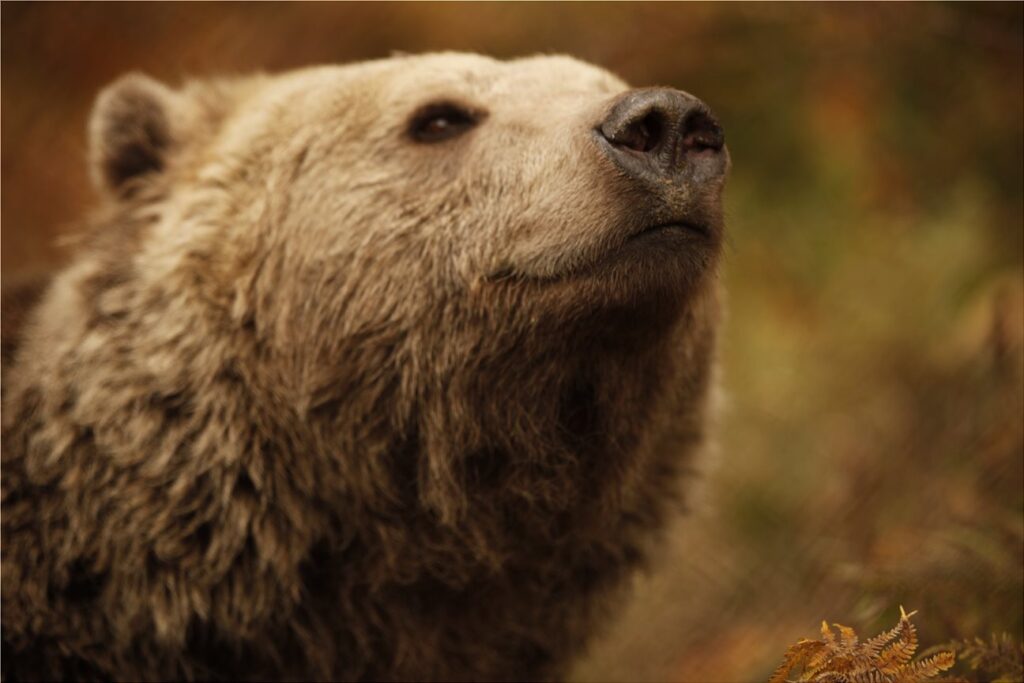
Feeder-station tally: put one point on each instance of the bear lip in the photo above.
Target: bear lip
(684, 226)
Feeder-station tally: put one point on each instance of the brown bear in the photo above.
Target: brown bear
(385, 371)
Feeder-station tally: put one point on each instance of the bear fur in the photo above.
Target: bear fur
(316, 401)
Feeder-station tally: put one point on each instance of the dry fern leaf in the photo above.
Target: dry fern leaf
(1000, 660)
(798, 655)
(842, 658)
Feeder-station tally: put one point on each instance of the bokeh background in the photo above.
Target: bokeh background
(872, 438)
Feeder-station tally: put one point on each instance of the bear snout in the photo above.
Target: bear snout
(660, 136)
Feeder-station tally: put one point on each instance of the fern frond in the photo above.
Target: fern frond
(876, 644)
(899, 653)
(826, 633)
(819, 661)
(840, 657)
(999, 659)
(797, 655)
(847, 637)
(927, 668)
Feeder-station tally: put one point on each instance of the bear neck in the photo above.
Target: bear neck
(548, 435)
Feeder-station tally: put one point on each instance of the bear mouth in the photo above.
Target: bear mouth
(660, 239)
(679, 228)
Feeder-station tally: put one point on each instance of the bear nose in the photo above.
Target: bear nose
(660, 134)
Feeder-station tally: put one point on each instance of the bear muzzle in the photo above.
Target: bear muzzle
(669, 150)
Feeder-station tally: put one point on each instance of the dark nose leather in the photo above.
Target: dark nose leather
(664, 135)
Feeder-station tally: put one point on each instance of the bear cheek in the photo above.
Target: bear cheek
(570, 227)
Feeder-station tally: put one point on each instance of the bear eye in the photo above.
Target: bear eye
(441, 121)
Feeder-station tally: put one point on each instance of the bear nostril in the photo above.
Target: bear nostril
(662, 134)
(642, 135)
(702, 132)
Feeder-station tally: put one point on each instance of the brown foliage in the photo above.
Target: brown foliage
(843, 658)
(999, 659)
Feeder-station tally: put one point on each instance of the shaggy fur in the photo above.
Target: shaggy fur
(316, 401)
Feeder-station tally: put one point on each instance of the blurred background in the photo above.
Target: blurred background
(872, 438)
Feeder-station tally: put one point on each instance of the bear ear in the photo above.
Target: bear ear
(130, 131)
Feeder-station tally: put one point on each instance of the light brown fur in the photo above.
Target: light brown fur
(314, 402)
